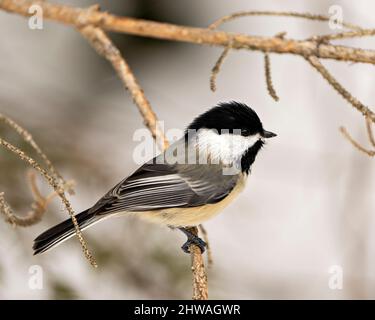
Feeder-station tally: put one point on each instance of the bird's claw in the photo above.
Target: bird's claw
(194, 240)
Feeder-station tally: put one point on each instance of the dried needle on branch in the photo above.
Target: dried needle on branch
(267, 72)
(357, 145)
(314, 61)
(57, 188)
(370, 133)
(302, 15)
(38, 207)
(216, 69)
(203, 230)
(28, 138)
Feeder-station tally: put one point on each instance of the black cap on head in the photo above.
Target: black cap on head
(229, 116)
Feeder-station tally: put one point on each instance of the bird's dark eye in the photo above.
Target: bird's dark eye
(245, 132)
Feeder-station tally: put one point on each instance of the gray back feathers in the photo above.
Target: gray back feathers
(156, 186)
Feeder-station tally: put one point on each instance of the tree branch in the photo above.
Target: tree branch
(200, 289)
(80, 17)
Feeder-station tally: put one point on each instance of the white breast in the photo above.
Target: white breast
(226, 148)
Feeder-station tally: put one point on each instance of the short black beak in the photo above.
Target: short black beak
(268, 134)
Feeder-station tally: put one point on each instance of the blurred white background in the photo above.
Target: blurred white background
(309, 204)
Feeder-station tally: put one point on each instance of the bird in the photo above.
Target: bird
(190, 182)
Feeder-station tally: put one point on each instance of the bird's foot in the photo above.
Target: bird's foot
(192, 239)
(197, 241)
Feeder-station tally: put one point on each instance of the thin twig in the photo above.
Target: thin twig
(314, 61)
(306, 15)
(216, 69)
(370, 133)
(28, 138)
(344, 35)
(104, 47)
(267, 66)
(358, 146)
(37, 195)
(38, 207)
(210, 260)
(6, 210)
(370, 136)
(267, 71)
(57, 188)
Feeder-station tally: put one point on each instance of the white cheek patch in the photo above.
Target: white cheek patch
(226, 148)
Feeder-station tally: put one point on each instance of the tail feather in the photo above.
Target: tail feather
(62, 232)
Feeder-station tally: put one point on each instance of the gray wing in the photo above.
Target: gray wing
(160, 186)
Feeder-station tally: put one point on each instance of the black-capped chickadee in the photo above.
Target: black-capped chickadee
(190, 182)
